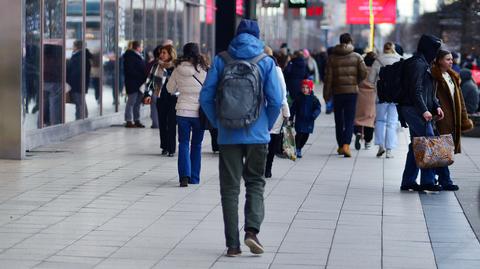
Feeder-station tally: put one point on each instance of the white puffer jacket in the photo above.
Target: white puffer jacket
(188, 88)
(381, 61)
(285, 112)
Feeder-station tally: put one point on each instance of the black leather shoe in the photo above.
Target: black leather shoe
(357, 141)
(268, 174)
(138, 124)
(234, 252)
(413, 187)
(184, 181)
(164, 152)
(451, 187)
(431, 188)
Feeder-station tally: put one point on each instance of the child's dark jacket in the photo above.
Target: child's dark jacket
(305, 109)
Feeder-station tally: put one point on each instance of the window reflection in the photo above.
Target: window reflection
(93, 53)
(125, 23)
(109, 95)
(52, 62)
(31, 64)
(76, 77)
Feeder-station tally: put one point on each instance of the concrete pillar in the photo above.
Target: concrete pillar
(11, 133)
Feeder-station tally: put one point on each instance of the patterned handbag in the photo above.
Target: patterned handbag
(288, 143)
(433, 151)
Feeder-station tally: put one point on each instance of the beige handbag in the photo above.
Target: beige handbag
(433, 151)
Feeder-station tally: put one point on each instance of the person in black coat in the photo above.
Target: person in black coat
(470, 91)
(74, 78)
(305, 109)
(135, 75)
(294, 73)
(417, 105)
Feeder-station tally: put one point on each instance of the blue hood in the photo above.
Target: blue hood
(245, 46)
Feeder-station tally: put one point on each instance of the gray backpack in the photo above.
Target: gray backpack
(239, 92)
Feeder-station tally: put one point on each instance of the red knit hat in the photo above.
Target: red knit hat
(308, 83)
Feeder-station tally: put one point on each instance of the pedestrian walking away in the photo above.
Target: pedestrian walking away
(242, 135)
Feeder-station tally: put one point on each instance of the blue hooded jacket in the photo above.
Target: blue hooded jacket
(244, 46)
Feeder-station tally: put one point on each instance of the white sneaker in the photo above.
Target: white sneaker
(368, 145)
(389, 154)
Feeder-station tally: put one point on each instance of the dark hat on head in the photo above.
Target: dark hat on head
(249, 27)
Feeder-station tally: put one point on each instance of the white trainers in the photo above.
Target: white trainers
(389, 154)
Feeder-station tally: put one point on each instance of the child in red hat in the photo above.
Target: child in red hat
(304, 110)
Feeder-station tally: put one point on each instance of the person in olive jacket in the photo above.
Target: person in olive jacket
(345, 70)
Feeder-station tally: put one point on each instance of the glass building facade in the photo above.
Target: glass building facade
(72, 52)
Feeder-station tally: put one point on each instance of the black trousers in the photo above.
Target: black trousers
(273, 148)
(301, 139)
(214, 135)
(366, 131)
(167, 121)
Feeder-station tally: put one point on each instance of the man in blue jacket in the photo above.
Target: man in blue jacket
(243, 151)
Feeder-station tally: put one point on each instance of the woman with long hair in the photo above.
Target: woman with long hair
(187, 81)
(456, 119)
(166, 102)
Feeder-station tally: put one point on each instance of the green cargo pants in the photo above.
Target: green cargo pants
(237, 161)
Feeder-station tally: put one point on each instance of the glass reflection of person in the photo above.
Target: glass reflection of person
(74, 77)
(52, 84)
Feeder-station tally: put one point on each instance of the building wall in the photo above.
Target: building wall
(103, 28)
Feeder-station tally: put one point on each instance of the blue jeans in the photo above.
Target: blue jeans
(132, 109)
(386, 123)
(417, 127)
(189, 156)
(345, 105)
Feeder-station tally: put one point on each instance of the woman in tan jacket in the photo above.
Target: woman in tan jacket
(451, 100)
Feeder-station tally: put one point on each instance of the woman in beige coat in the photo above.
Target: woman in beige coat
(365, 109)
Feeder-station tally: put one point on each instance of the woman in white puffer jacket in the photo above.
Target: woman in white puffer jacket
(386, 120)
(186, 81)
(275, 137)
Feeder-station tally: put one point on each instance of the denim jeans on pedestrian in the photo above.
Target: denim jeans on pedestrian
(52, 103)
(79, 102)
(189, 151)
(247, 160)
(386, 123)
(444, 178)
(132, 109)
(417, 127)
(345, 105)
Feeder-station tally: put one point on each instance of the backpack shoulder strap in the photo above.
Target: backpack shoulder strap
(258, 58)
(226, 57)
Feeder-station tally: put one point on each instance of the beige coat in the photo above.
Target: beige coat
(365, 109)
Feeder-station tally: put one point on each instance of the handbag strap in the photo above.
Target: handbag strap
(197, 80)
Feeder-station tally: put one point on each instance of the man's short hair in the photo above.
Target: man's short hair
(346, 38)
(136, 44)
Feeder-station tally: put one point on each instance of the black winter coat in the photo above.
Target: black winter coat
(469, 91)
(294, 73)
(134, 71)
(74, 71)
(418, 85)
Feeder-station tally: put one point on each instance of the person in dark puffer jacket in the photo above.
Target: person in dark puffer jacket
(305, 109)
(470, 91)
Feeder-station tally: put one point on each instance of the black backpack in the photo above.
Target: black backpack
(239, 92)
(389, 85)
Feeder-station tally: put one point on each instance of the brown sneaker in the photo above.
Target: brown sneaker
(129, 124)
(340, 151)
(346, 151)
(234, 252)
(252, 242)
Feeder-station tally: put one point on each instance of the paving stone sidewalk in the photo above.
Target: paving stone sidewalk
(108, 199)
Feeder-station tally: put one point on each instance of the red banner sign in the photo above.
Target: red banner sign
(358, 11)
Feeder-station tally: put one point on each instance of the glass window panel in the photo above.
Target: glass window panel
(180, 7)
(31, 64)
(109, 94)
(171, 34)
(150, 40)
(93, 57)
(161, 20)
(125, 23)
(138, 22)
(76, 76)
